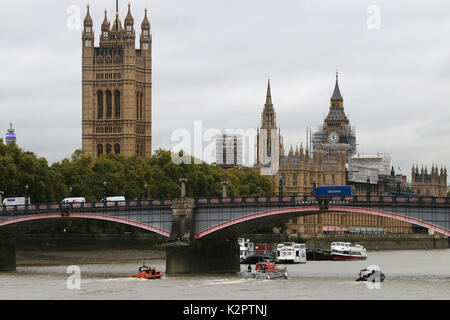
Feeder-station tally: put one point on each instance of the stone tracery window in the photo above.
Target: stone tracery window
(100, 104)
(108, 104)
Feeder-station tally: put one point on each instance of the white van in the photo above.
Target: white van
(114, 199)
(14, 201)
(74, 200)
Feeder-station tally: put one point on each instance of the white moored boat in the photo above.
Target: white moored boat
(246, 248)
(345, 251)
(290, 252)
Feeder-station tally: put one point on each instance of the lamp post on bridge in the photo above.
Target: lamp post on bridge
(183, 187)
(145, 191)
(224, 189)
(368, 186)
(70, 192)
(26, 195)
(280, 187)
(104, 191)
(1, 197)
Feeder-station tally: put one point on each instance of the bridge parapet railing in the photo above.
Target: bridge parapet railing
(83, 206)
(311, 200)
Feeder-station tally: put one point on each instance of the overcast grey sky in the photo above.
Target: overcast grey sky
(211, 60)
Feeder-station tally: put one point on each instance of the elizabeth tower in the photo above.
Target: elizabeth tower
(117, 88)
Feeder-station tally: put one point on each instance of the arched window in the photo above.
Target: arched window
(117, 148)
(108, 148)
(137, 105)
(99, 150)
(141, 109)
(100, 104)
(117, 104)
(294, 180)
(108, 104)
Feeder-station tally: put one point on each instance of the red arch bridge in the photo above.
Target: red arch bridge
(202, 225)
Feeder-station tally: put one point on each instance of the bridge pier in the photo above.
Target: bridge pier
(203, 256)
(185, 255)
(7, 253)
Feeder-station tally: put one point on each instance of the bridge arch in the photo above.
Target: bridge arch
(95, 216)
(236, 226)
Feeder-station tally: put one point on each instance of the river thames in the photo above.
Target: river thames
(410, 274)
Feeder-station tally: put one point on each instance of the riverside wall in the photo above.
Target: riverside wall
(151, 241)
(370, 241)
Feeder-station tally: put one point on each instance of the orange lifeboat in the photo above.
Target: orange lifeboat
(147, 273)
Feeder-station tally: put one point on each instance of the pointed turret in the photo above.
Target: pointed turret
(105, 27)
(291, 152)
(129, 20)
(145, 23)
(268, 115)
(88, 20)
(268, 95)
(337, 93)
(302, 155)
(88, 36)
(145, 35)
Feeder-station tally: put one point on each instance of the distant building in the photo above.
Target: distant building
(229, 150)
(335, 135)
(430, 184)
(299, 171)
(10, 137)
(117, 87)
(372, 174)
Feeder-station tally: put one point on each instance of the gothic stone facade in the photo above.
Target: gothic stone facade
(434, 183)
(117, 88)
(299, 171)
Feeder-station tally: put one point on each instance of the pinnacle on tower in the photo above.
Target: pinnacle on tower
(129, 20)
(145, 23)
(105, 24)
(269, 95)
(337, 93)
(88, 20)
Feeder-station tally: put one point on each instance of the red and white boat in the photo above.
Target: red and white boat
(345, 251)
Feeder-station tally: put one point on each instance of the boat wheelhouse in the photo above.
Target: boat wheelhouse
(246, 248)
(290, 252)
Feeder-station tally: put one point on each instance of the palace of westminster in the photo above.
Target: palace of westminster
(117, 118)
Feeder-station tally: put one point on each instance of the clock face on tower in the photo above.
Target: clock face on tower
(333, 137)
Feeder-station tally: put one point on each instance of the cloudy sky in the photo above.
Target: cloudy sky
(212, 58)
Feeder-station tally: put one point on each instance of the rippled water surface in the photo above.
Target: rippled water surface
(412, 274)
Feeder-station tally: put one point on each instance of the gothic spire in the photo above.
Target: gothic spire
(269, 94)
(129, 21)
(105, 24)
(145, 23)
(337, 93)
(88, 20)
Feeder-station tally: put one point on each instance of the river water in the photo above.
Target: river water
(410, 274)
